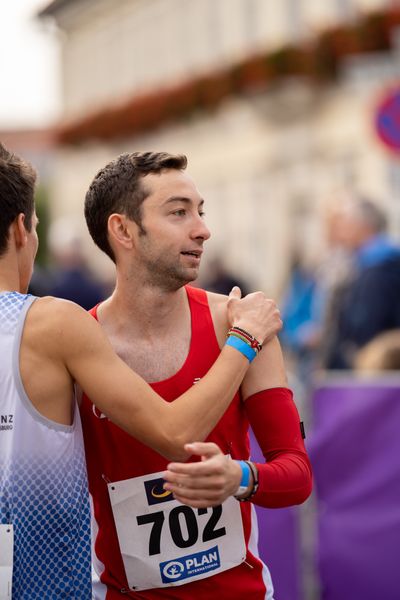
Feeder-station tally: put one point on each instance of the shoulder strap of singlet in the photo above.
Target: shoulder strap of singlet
(199, 310)
(202, 323)
(93, 311)
(13, 308)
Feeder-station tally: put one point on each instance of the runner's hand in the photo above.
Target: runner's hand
(205, 483)
(255, 313)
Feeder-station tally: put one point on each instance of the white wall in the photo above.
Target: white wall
(112, 50)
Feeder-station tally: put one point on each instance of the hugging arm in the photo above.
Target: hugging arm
(285, 478)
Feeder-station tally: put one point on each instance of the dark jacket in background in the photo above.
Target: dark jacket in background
(367, 306)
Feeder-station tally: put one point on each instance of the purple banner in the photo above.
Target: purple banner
(355, 452)
(279, 543)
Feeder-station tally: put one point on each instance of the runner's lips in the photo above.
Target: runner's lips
(194, 253)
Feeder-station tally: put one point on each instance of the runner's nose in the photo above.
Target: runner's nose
(200, 230)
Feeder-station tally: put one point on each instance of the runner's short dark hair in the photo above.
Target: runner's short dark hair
(17, 189)
(117, 188)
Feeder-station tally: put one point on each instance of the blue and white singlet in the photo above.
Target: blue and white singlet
(43, 484)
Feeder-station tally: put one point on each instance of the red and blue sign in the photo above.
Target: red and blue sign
(387, 120)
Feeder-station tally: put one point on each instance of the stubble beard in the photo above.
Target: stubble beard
(163, 274)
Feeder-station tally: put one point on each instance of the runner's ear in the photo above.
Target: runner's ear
(119, 231)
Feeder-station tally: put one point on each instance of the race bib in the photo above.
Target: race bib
(165, 543)
(6, 561)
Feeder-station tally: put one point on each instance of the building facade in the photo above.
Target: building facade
(272, 101)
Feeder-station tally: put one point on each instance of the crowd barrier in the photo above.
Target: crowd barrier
(354, 447)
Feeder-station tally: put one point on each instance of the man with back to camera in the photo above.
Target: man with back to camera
(146, 214)
(46, 345)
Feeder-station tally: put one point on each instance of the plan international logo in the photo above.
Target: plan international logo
(190, 565)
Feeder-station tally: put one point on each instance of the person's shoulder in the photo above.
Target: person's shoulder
(218, 304)
(55, 315)
(382, 270)
(53, 307)
(216, 299)
(206, 298)
(55, 327)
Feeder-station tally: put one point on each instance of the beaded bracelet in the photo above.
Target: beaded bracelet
(246, 337)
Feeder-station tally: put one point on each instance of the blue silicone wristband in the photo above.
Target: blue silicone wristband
(240, 345)
(244, 482)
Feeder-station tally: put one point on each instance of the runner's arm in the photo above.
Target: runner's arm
(285, 478)
(132, 404)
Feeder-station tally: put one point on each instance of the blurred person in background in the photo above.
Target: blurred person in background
(367, 303)
(310, 299)
(70, 277)
(46, 346)
(382, 353)
(299, 330)
(299, 324)
(146, 214)
(332, 276)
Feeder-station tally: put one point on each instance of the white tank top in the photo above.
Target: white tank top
(43, 485)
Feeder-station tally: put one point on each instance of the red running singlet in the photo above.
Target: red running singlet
(113, 455)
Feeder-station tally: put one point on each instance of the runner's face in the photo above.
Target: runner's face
(172, 216)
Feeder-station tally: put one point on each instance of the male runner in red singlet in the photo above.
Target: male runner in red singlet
(145, 212)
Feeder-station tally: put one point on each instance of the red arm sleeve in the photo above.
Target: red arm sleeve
(285, 478)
